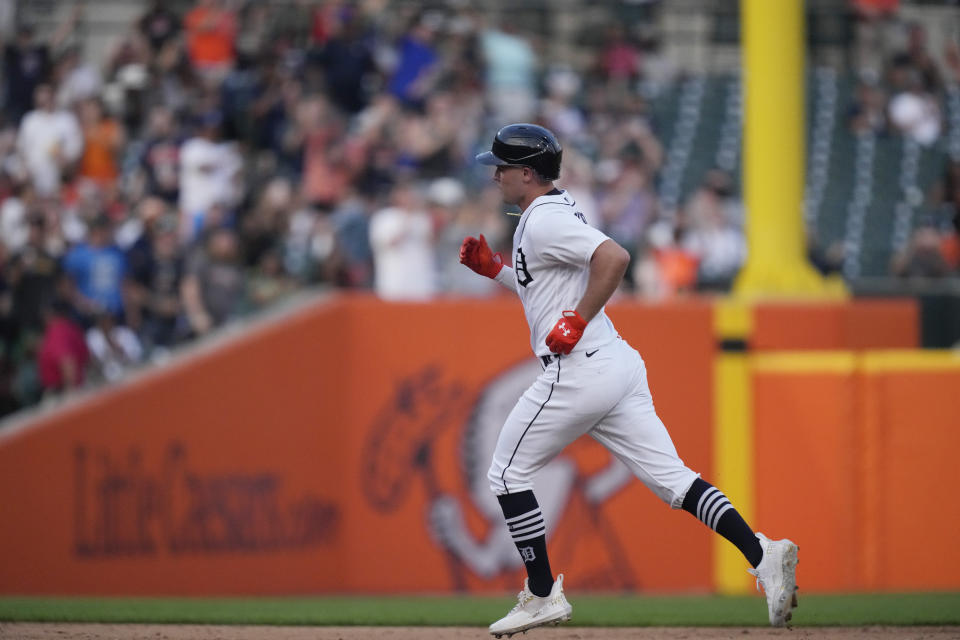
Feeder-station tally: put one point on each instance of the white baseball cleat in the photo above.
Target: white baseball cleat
(777, 573)
(533, 611)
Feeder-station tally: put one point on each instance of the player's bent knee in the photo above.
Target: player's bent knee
(493, 477)
(672, 488)
(506, 480)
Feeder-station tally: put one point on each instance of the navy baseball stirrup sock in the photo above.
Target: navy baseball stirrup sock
(713, 509)
(529, 533)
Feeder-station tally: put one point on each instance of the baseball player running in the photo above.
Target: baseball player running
(592, 382)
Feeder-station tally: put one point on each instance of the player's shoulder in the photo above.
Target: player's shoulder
(554, 215)
(549, 214)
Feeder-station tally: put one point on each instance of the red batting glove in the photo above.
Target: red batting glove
(476, 254)
(566, 333)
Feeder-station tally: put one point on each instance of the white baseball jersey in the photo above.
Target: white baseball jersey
(552, 248)
(599, 389)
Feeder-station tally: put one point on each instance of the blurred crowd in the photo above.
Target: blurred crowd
(901, 90)
(228, 155)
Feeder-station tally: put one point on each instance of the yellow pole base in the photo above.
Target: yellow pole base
(787, 280)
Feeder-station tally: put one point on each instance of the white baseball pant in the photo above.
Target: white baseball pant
(604, 394)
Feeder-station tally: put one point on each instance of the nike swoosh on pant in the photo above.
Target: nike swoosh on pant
(590, 353)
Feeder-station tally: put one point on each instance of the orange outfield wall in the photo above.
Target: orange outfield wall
(328, 450)
(313, 453)
(855, 461)
(855, 324)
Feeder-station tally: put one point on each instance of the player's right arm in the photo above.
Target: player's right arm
(476, 254)
(608, 264)
(568, 240)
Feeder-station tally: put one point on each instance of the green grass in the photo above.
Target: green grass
(589, 610)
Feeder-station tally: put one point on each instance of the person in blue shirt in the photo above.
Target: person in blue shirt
(417, 67)
(97, 270)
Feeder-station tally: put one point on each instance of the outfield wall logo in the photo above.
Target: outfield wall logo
(406, 440)
(123, 508)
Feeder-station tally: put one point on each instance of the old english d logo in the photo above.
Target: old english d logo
(520, 264)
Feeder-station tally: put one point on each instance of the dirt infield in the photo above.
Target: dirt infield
(56, 631)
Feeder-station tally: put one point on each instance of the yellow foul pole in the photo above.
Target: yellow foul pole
(773, 68)
(774, 158)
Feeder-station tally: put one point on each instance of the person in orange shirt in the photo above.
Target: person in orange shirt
(211, 32)
(103, 140)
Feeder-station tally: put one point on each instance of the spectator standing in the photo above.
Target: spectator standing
(213, 284)
(33, 276)
(715, 236)
(26, 64)
(14, 213)
(156, 269)
(330, 157)
(401, 236)
(664, 268)
(351, 225)
(62, 356)
(511, 81)
(103, 139)
(211, 31)
(209, 175)
(151, 216)
(417, 67)
(262, 228)
(49, 141)
(915, 112)
(171, 80)
(348, 66)
(159, 25)
(160, 159)
(163, 278)
(273, 116)
(620, 58)
(97, 270)
(77, 80)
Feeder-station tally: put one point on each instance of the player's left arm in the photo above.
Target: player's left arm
(607, 266)
(476, 254)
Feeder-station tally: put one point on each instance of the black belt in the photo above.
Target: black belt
(556, 356)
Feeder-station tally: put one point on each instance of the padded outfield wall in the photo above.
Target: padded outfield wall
(324, 451)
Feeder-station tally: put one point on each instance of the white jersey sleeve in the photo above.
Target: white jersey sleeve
(507, 278)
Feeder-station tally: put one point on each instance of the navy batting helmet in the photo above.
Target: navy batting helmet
(525, 145)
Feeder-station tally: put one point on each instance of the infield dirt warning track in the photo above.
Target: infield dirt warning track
(55, 631)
